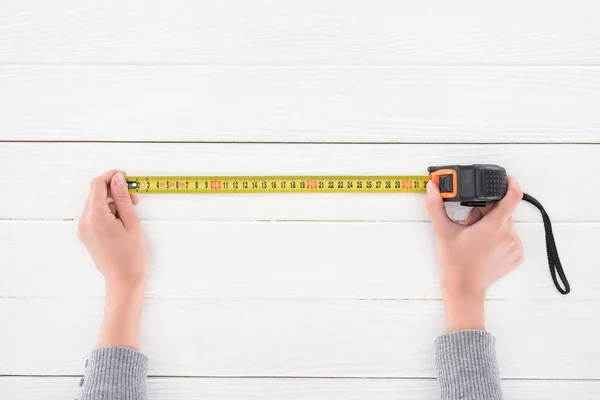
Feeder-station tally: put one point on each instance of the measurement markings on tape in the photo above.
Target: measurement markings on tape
(277, 184)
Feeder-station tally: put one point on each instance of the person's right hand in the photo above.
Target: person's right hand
(474, 255)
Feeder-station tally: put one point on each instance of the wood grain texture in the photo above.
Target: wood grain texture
(300, 104)
(343, 302)
(286, 260)
(27, 388)
(306, 338)
(51, 180)
(331, 32)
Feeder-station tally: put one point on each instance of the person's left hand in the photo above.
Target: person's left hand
(112, 232)
(113, 235)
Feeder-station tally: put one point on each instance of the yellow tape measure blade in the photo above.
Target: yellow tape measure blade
(276, 184)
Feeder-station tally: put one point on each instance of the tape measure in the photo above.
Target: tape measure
(473, 184)
(276, 184)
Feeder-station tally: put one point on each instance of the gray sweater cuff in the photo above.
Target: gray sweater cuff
(467, 366)
(115, 373)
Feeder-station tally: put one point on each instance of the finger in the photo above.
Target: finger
(122, 201)
(477, 213)
(113, 208)
(99, 188)
(505, 207)
(474, 216)
(510, 223)
(488, 207)
(134, 197)
(435, 207)
(86, 206)
(509, 226)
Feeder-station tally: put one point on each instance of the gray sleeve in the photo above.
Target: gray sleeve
(114, 373)
(467, 366)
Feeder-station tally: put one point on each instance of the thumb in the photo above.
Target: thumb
(505, 207)
(122, 200)
(436, 209)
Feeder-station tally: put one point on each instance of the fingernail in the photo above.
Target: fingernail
(119, 178)
(429, 186)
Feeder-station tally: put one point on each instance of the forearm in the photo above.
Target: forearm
(467, 366)
(121, 325)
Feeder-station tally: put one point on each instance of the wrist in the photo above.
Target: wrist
(464, 311)
(121, 288)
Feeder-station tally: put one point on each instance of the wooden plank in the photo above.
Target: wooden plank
(53, 178)
(332, 32)
(300, 104)
(287, 260)
(30, 388)
(306, 338)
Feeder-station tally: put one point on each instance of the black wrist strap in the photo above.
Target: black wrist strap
(553, 259)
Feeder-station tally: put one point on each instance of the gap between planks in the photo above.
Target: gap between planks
(297, 63)
(337, 378)
(258, 221)
(233, 142)
(297, 299)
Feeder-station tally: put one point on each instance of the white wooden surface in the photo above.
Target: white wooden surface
(300, 104)
(307, 32)
(344, 303)
(297, 389)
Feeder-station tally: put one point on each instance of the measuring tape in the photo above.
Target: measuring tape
(469, 184)
(472, 184)
(277, 184)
